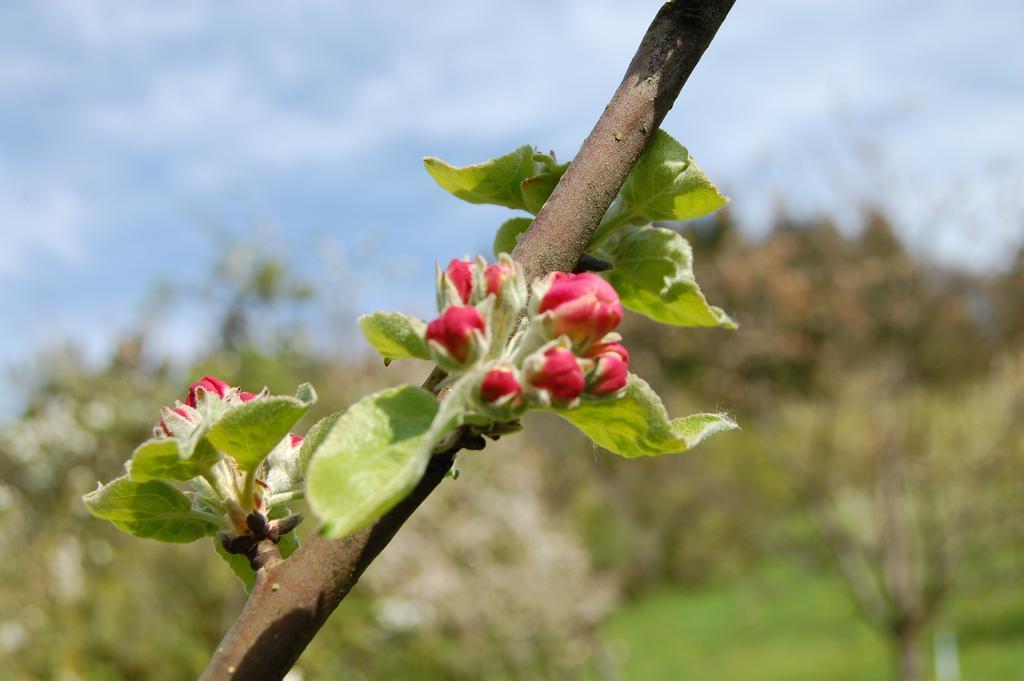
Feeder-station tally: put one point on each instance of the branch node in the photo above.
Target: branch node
(588, 263)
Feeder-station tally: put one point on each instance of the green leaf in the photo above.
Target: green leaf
(522, 179)
(371, 458)
(667, 184)
(315, 437)
(508, 234)
(161, 459)
(637, 424)
(536, 190)
(287, 466)
(395, 335)
(289, 543)
(496, 181)
(653, 275)
(152, 509)
(305, 394)
(238, 563)
(202, 452)
(248, 432)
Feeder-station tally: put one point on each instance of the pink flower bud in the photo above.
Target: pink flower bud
(246, 396)
(295, 440)
(496, 275)
(614, 347)
(453, 331)
(180, 411)
(583, 306)
(610, 369)
(560, 375)
(208, 384)
(501, 384)
(460, 273)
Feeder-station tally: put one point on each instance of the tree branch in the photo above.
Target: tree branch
(293, 598)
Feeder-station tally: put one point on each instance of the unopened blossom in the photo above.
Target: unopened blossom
(209, 384)
(558, 374)
(455, 331)
(500, 385)
(611, 368)
(460, 274)
(496, 275)
(584, 307)
(179, 411)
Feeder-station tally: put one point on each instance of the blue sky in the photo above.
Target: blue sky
(126, 128)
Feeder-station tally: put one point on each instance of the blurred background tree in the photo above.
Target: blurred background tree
(869, 503)
(915, 492)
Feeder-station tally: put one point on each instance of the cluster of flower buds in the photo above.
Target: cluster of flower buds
(208, 394)
(208, 399)
(470, 282)
(478, 303)
(577, 314)
(566, 348)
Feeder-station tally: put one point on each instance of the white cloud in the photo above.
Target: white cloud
(229, 114)
(116, 111)
(464, 65)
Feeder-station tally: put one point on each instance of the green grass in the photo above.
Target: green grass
(781, 624)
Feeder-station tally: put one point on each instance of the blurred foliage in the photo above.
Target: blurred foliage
(512, 571)
(813, 302)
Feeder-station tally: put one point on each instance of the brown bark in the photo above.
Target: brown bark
(292, 599)
(906, 641)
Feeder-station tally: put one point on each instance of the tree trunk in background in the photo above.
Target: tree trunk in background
(906, 642)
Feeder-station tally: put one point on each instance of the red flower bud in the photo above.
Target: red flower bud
(246, 396)
(610, 370)
(460, 273)
(453, 331)
(560, 375)
(180, 411)
(495, 276)
(208, 384)
(501, 383)
(614, 347)
(295, 440)
(583, 306)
